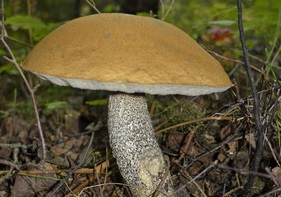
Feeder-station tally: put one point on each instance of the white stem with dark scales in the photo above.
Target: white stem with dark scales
(133, 142)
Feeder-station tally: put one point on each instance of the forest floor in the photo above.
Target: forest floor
(210, 141)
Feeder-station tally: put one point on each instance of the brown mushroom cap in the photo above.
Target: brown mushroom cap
(127, 53)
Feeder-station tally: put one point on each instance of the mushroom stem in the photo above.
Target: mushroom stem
(132, 139)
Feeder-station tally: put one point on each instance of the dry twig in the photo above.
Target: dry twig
(93, 5)
(31, 90)
(165, 14)
(256, 111)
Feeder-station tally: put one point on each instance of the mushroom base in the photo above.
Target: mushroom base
(133, 142)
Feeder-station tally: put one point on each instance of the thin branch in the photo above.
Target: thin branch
(165, 14)
(230, 138)
(188, 177)
(186, 144)
(276, 191)
(162, 8)
(30, 89)
(256, 112)
(96, 170)
(242, 171)
(195, 121)
(212, 165)
(93, 5)
(231, 60)
(80, 164)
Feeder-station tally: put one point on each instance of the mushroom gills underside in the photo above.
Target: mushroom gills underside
(128, 87)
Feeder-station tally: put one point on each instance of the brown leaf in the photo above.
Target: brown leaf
(61, 149)
(225, 132)
(24, 136)
(12, 127)
(251, 139)
(27, 186)
(221, 157)
(276, 172)
(5, 152)
(174, 141)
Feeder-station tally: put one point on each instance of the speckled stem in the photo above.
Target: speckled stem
(134, 146)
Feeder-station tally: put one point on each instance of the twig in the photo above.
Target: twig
(106, 169)
(30, 89)
(241, 171)
(7, 176)
(256, 112)
(188, 177)
(231, 60)
(8, 163)
(98, 170)
(185, 147)
(230, 138)
(81, 163)
(40, 172)
(274, 191)
(8, 173)
(165, 14)
(213, 164)
(93, 5)
(162, 8)
(18, 41)
(17, 145)
(195, 121)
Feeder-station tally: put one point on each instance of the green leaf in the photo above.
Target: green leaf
(97, 102)
(25, 22)
(39, 28)
(56, 105)
(144, 14)
(42, 32)
(7, 68)
(111, 8)
(2, 52)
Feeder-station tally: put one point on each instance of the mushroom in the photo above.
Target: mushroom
(129, 55)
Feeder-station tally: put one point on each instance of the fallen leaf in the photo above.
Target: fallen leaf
(276, 172)
(251, 139)
(61, 149)
(27, 186)
(174, 141)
